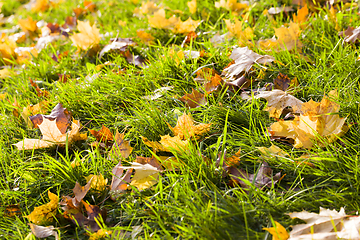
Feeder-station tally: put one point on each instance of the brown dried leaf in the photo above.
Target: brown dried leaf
(260, 179)
(193, 99)
(43, 232)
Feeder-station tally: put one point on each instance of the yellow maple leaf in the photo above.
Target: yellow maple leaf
(278, 232)
(52, 136)
(302, 14)
(40, 6)
(159, 20)
(316, 120)
(232, 5)
(192, 6)
(173, 143)
(89, 36)
(288, 37)
(7, 49)
(236, 29)
(187, 26)
(145, 175)
(186, 129)
(45, 213)
(98, 182)
(28, 25)
(147, 38)
(101, 234)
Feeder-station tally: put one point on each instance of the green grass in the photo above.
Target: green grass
(195, 202)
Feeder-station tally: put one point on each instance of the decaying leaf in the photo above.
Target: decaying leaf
(284, 83)
(88, 37)
(318, 122)
(263, 177)
(351, 34)
(43, 232)
(80, 192)
(194, 99)
(45, 214)
(186, 129)
(278, 232)
(328, 224)
(244, 59)
(120, 44)
(278, 100)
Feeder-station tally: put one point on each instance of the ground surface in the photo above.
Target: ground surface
(206, 182)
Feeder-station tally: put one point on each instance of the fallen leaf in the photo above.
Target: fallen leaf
(28, 25)
(43, 232)
(156, 146)
(194, 99)
(119, 183)
(45, 213)
(121, 148)
(244, 59)
(158, 93)
(145, 175)
(159, 20)
(52, 136)
(88, 37)
(145, 37)
(260, 179)
(192, 6)
(213, 84)
(278, 100)
(277, 10)
(187, 26)
(273, 150)
(284, 83)
(232, 5)
(278, 232)
(80, 192)
(351, 34)
(288, 37)
(12, 210)
(40, 6)
(103, 135)
(101, 234)
(98, 182)
(186, 129)
(60, 115)
(237, 30)
(323, 223)
(120, 44)
(173, 143)
(316, 120)
(302, 14)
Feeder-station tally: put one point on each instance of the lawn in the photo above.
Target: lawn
(132, 119)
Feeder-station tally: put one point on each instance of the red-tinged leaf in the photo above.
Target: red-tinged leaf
(103, 135)
(40, 93)
(193, 99)
(213, 84)
(12, 210)
(60, 114)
